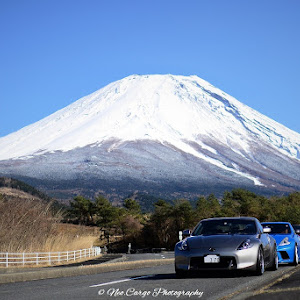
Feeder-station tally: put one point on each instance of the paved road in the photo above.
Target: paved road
(145, 256)
(286, 287)
(147, 283)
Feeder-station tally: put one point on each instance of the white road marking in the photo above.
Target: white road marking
(123, 280)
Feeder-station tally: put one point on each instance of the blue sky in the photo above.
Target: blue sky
(54, 52)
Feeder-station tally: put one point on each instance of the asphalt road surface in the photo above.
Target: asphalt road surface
(148, 283)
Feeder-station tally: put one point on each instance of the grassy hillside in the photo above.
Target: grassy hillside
(31, 222)
(15, 185)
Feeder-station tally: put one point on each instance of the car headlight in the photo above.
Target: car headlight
(245, 245)
(183, 246)
(284, 242)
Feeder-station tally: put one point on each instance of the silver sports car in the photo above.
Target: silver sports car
(226, 244)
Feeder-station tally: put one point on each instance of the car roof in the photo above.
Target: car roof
(288, 223)
(231, 218)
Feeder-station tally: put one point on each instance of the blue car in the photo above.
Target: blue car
(288, 242)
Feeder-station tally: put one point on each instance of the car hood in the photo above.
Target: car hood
(217, 241)
(280, 237)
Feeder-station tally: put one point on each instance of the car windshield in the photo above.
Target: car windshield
(278, 228)
(296, 227)
(225, 226)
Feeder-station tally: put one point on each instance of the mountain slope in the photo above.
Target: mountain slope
(16, 189)
(178, 129)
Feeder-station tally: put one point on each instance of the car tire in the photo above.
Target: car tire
(260, 263)
(180, 273)
(296, 257)
(274, 264)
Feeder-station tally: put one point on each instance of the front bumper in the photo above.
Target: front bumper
(286, 253)
(193, 259)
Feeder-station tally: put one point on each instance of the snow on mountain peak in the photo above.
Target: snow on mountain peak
(174, 110)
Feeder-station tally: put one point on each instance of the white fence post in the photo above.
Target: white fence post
(6, 259)
(37, 258)
(23, 259)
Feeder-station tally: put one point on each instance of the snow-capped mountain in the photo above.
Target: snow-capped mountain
(178, 129)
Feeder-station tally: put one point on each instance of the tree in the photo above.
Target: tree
(248, 204)
(214, 206)
(167, 220)
(183, 216)
(265, 209)
(132, 206)
(107, 215)
(287, 208)
(160, 224)
(293, 208)
(202, 208)
(83, 209)
(230, 208)
(208, 207)
(130, 226)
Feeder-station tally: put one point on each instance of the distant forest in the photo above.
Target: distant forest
(160, 228)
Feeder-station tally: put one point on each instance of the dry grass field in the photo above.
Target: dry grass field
(65, 237)
(29, 224)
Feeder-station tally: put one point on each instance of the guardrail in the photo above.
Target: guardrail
(49, 258)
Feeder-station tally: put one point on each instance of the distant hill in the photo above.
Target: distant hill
(14, 188)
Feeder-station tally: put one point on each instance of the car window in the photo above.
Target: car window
(224, 226)
(260, 228)
(278, 228)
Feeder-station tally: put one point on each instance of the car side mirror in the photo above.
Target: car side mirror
(267, 230)
(186, 233)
